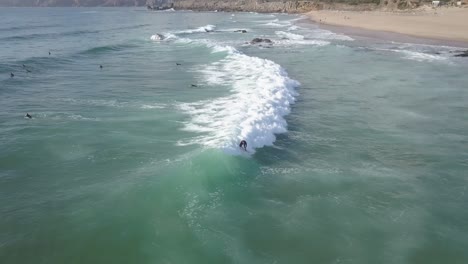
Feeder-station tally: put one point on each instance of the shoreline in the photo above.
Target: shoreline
(356, 32)
(448, 27)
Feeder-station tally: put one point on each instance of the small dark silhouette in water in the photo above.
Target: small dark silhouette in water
(243, 145)
(28, 115)
(178, 64)
(100, 66)
(28, 70)
(11, 75)
(193, 85)
(24, 66)
(49, 53)
(462, 54)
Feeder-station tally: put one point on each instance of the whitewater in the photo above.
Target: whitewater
(261, 95)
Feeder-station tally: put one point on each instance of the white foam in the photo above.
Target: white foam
(164, 37)
(420, 56)
(152, 106)
(325, 34)
(288, 35)
(274, 24)
(261, 95)
(203, 29)
(311, 42)
(288, 39)
(292, 28)
(157, 37)
(417, 55)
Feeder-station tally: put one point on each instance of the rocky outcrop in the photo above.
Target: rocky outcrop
(261, 6)
(261, 40)
(159, 4)
(462, 54)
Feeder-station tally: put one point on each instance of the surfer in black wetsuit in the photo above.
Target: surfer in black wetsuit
(28, 115)
(243, 145)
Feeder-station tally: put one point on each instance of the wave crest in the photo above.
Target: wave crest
(261, 95)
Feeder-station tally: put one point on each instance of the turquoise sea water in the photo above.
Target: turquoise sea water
(358, 148)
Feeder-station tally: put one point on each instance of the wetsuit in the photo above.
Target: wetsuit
(243, 144)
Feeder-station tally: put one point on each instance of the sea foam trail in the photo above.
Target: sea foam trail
(261, 96)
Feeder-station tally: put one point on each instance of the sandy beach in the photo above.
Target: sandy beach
(448, 24)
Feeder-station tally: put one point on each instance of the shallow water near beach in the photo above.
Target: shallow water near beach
(357, 148)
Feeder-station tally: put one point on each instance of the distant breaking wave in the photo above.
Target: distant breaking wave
(204, 29)
(288, 35)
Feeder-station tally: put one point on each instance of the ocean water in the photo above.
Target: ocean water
(357, 147)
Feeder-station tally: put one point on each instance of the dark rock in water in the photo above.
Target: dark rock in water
(260, 40)
(158, 5)
(241, 31)
(462, 54)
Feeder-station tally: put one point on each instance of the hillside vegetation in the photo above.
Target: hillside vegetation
(291, 6)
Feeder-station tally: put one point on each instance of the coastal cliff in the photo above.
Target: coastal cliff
(249, 5)
(287, 6)
(71, 3)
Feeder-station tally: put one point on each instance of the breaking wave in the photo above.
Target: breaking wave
(261, 94)
(287, 35)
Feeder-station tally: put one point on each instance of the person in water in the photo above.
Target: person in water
(28, 115)
(243, 145)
